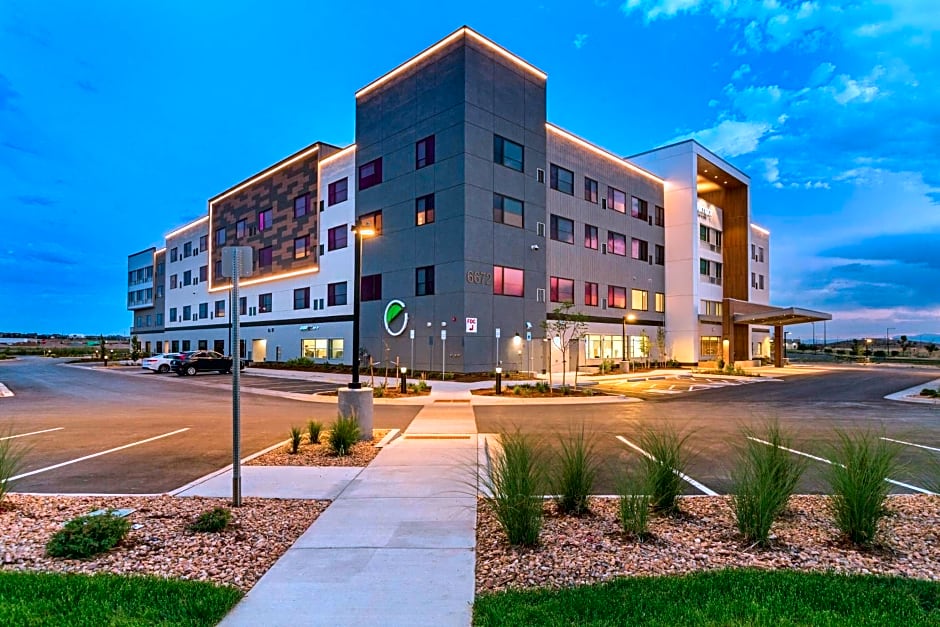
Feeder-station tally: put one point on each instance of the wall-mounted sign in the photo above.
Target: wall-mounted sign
(471, 325)
(704, 212)
(395, 318)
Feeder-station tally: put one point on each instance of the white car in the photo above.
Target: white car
(159, 363)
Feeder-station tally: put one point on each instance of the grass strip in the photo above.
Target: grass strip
(726, 597)
(67, 600)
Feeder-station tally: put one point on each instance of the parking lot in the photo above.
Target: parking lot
(669, 385)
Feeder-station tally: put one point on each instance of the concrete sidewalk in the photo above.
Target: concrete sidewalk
(396, 547)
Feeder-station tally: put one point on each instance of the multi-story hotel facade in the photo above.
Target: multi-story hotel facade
(487, 219)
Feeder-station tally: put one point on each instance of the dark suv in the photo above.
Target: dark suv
(203, 361)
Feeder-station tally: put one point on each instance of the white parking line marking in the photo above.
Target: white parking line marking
(826, 461)
(686, 478)
(929, 448)
(5, 391)
(110, 450)
(23, 435)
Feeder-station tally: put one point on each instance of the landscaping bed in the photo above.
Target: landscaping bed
(321, 455)
(703, 537)
(158, 543)
(539, 391)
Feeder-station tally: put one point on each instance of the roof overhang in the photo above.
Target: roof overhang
(780, 316)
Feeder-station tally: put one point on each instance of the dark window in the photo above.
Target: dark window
(301, 247)
(188, 277)
(203, 273)
(424, 281)
(337, 191)
(372, 221)
(302, 298)
(370, 174)
(424, 152)
(508, 281)
(264, 303)
(218, 346)
(562, 179)
(616, 200)
(187, 313)
(203, 242)
(187, 346)
(174, 254)
(507, 210)
(265, 219)
(219, 237)
(187, 249)
(616, 297)
(639, 209)
(616, 243)
(266, 257)
(301, 205)
(175, 346)
(241, 227)
(173, 279)
(660, 256)
(561, 290)
(590, 190)
(639, 249)
(562, 229)
(336, 294)
(703, 266)
(218, 269)
(336, 237)
(590, 236)
(203, 310)
(202, 345)
(507, 153)
(172, 314)
(424, 209)
(590, 294)
(242, 305)
(371, 287)
(219, 308)
(659, 216)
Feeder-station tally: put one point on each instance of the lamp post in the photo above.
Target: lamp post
(888, 341)
(443, 350)
(359, 231)
(623, 337)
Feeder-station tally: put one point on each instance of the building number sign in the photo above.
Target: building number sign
(480, 278)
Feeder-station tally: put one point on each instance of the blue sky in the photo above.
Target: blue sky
(118, 120)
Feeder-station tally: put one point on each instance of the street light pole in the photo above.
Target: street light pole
(887, 341)
(358, 232)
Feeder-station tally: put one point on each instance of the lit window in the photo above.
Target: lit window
(508, 153)
(616, 200)
(616, 297)
(424, 152)
(507, 210)
(561, 179)
(301, 247)
(337, 191)
(370, 174)
(336, 348)
(639, 209)
(660, 302)
(561, 290)
(265, 219)
(424, 210)
(372, 221)
(639, 300)
(590, 294)
(562, 229)
(639, 249)
(616, 243)
(508, 281)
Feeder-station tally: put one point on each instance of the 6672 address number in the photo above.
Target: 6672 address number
(480, 278)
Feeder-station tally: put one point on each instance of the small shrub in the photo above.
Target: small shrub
(303, 362)
(673, 363)
(861, 462)
(517, 390)
(515, 485)
(344, 434)
(378, 391)
(930, 393)
(565, 390)
(419, 387)
(541, 387)
(295, 436)
(575, 473)
(88, 535)
(11, 459)
(634, 506)
(211, 521)
(314, 430)
(669, 460)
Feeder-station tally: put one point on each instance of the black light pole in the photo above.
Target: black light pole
(357, 279)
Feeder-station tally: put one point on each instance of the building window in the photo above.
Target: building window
(218, 269)
(616, 200)
(507, 210)
(590, 236)
(337, 191)
(561, 179)
(148, 320)
(187, 250)
(711, 308)
(709, 346)
(336, 237)
(203, 311)
(203, 273)
(639, 209)
(659, 216)
(266, 257)
(590, 190)
(174, 254)
(173, 280)
(640, 249)
(203, 242)
(159, 291)
(660, 302)
(561, 290)
(265, 219)
(302, 298)
(172, 314)
(159, 320)
(703, 232)
(616, 243)
(241, 227)
(336, 294)
(424, 209)
(187, 313)
(660, 255)
(703, 266)
(424, 152)
(508, 281)
(301, 247)
(372, 221)
(301, 205)
(370, 174)
(242, 305)
(187, 345)
(188, 277)
(760, 281)
(336, 348)
(314, 349)
(424, 281)
(562, 229)
(616, 297)
(220, 237)
(590, 294)
(264, 303)
(219, 308)
(639, 300)
(760, 254)
(371, 287)
(218, 346)
(508, 153)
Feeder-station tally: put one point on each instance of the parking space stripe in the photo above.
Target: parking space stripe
(23, 435)
(826, 461)
(5, 391)
(93, 455)
(695, 484)
(929, 448)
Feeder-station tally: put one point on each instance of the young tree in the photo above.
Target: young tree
(661, 345)
(645, 347)
(930, 348)
(135, 348)
(905, 344)
(566, 325)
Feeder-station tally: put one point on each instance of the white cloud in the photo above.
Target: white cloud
(740, 72)
(579, 40)
(730, 138)
(821, 75)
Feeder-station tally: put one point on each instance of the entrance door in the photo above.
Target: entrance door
(259, 350)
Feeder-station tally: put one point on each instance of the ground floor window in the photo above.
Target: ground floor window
(175, 346)
(710, 347)
(603, 346)
(160, 346)
(203, 345)
(314, 349)
(336, 348)
(187, 345)
(218, 346)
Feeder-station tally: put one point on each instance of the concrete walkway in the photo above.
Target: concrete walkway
(396, 547)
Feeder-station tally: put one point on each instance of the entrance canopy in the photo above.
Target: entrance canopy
(780, 316)
(738, 314)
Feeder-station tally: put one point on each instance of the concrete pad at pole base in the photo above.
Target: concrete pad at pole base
(357, 403)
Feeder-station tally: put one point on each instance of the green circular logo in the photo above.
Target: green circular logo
(396, 318)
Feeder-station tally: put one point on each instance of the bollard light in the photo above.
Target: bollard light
(499, 380)
(404, 381)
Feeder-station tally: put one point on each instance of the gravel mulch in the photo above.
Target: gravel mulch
(576, 551)
(320, 454)
(158, 543)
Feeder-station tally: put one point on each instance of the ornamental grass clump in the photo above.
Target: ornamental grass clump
(633, 505)
(860, 464)
(575, 471)
(763, 479)
(211, 521)
(515, 486)
(88, 535)
(11, 459)
(664, 467)
(295, 437)
(314, 430)
(344, 434)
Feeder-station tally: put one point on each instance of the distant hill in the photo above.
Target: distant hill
(925, 337)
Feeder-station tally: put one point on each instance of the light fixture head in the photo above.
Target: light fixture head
(404, 369)
(499, 370)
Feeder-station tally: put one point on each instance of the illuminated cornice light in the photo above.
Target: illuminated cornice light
(760, 229)
(186, 227)
(159, 250)
(337, 155)
(276, 277)
(462, 32)
(265, 173)
(603, 153)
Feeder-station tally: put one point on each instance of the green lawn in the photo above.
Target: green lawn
(28, 599)
(729, 597)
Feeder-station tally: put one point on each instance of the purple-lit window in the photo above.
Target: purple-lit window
(370, 174)
(590, 190)
(301, 247)
(241, 227)
(371, 287)
(562, 290)
(616, 200)
(616, 297)
(337, 191)
(590, 294)
(265, 219)
(590, 236)
(301, 205)
(266, 257)
(508, 281)
(424, 152)
(639, 249)
(335, 294)
(336, 237)
(639, 209)
(616, 243)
